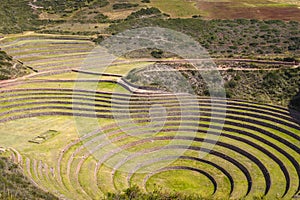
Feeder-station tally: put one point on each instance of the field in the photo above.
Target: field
(91, 17)
(117, 136)
(44, 53)
(177, 8)
(229, 9)
(250, 9)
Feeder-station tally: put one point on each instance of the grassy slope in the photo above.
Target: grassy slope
(17, 16)
(276, 87)
(94, 16)
(14, 185)
(47, 152)
(177, 8)
(63, 123)
(10, 68)
(233, 9)
(251, 9)
(134, 193)
(224, 38)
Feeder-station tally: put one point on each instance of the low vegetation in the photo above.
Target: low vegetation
(119, 6)
(135, 193)
(146, 13)
(124, 141)
(17, 16)
(66, 7)
(14, 185)
(230, 38)
(276, 87)
(250, 9)
(266, 131)
(265, 86)
(295, 102)
(10, 68)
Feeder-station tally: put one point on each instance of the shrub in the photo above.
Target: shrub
(99, 39)
(231, 84)
(145, 12)
(157, 53)
(290, 59)
(101, 18)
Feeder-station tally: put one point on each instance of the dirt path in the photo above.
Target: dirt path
(288, 65)
(228, 68)
(184, 61)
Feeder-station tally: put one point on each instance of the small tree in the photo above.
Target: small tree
(157, 53)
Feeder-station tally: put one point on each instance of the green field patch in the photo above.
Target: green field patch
(183, 181)
(111, 87)
(177, 8)
(123, 69)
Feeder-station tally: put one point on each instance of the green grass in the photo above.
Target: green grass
(295, 2)
(44, 137)
(123, 69)
(177, 8)
(182, 181)
(16, 134)
(84, 175)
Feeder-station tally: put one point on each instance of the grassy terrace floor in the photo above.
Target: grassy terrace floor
(105, 141)
(227, 171)
(48, 52)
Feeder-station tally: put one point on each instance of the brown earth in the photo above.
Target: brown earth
(234, 10)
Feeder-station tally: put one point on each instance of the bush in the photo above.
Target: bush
(157, 53)
(218, 36)
(231, 84)
(295, 102)
(145, 12)
(101, 18)
(289, 59)
(99, 39)
(17, 16)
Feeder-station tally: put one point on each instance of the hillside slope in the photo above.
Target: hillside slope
(276, 86)
(14, 185)
(10, 68)
(17, 16)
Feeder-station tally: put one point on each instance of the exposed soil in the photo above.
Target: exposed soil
(232, 10)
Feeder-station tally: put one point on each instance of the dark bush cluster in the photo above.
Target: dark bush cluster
(145, 13)
(118, 6)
